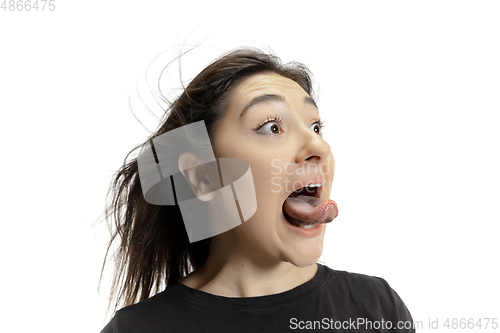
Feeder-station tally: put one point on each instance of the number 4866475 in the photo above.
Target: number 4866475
(28, 5)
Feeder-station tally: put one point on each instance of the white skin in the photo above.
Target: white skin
(262, 256)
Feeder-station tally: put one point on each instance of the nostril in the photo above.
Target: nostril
(312, 157)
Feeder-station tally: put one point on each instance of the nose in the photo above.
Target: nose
(313, 148)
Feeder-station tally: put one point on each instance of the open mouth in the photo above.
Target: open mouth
(297, 207)
(305, 209)
(312, 190)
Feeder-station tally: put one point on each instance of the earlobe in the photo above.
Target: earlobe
(196, 176)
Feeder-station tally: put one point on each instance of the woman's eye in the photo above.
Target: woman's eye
(316, 127)
(271, 127)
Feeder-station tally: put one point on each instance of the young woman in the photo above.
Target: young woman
(261, 276)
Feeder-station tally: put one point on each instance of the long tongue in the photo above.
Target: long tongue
(307, 209)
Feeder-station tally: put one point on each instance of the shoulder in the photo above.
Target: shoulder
(356, 282)
(370, 294)
(145, 316)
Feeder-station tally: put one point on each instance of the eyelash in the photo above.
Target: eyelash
(279, 120)
(269, 119)
(321, 124)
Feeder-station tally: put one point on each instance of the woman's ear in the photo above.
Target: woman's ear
(196, 176)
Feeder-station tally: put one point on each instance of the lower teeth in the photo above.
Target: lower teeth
(308, 226)
(300, 224)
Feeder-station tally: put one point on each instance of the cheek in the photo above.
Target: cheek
(268, 177)
(268, 188)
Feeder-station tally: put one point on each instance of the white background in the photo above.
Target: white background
(409, 92)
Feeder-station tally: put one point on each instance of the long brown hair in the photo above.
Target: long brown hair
(153, 250)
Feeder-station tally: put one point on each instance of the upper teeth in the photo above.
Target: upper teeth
(313, 185)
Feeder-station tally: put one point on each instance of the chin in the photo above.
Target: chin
(306, 254)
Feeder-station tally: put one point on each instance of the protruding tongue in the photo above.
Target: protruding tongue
(307, 209)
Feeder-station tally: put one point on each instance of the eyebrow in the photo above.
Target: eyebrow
(273, 98)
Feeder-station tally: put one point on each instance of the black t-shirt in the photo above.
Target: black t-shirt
(332, 301)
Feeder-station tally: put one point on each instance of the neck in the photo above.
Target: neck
(231, 271)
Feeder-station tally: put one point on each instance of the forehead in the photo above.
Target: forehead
(267, 83)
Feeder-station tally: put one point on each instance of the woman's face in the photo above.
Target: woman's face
(274, 125)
